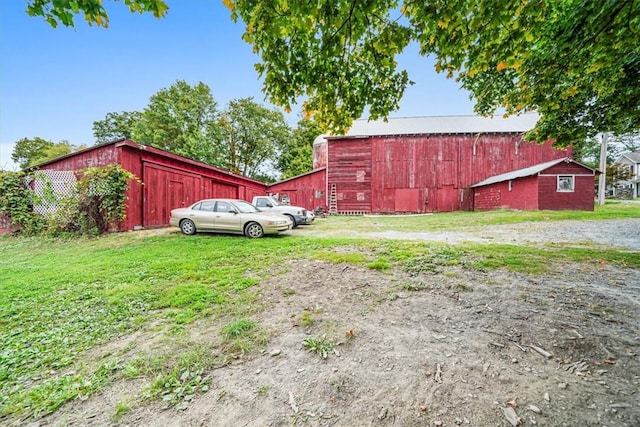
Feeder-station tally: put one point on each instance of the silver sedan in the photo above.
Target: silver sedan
(228, 216)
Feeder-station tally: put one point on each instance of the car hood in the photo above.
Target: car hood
(269, 216)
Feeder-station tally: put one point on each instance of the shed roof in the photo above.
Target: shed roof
(129, 143)
(531, 170)
(441, 125)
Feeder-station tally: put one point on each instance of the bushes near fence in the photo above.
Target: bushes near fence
(93, 203)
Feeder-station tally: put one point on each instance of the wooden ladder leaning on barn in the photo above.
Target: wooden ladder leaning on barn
(333, 201)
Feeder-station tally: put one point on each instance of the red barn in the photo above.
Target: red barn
(168, 180)
(555, 185)
(307, 190)
(422, 164)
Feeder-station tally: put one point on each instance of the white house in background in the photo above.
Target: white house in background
(632, 161)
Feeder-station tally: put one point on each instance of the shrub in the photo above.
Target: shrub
(102, 193)
(16, 201)
(95, 206)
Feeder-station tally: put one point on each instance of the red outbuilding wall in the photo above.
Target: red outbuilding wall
(581, 198)
(423, 173)
(521, 193)
(168, 181)
(538, 190)
(307, 190)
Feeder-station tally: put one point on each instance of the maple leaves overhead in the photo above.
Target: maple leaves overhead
(576, 62)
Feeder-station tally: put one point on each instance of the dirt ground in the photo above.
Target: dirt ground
(460, 347)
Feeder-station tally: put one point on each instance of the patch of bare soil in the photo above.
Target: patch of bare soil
(457, 348)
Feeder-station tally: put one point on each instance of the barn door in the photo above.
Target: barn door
(407, 200)
(176, 194)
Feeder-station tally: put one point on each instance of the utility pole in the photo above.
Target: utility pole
(603, 169)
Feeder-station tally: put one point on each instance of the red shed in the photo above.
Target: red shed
(426, 164)
(168, 180)
(555, 185)
(307, 190)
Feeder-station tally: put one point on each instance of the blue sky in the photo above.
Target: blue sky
(54, 83)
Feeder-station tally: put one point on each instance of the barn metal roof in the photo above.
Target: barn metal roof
(521, 173)
(441, 125)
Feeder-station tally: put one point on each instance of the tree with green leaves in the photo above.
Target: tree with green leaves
(182, 119)
(29, 151)
(32, 151)
(116, 126)
(616, 173)
(57, 12)
(253, 136)
(296, 157)
(589, 152)
(628, 143)
(576, 62)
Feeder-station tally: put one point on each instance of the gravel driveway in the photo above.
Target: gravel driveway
(621, 233)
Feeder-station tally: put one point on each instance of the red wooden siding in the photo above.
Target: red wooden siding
(212, 188)
(540, 191)
(350, 169)
(99, 156)
(582, 198)
(169, 180)
(307, 191)
(424, 173)
(523, 195)
(166, 189)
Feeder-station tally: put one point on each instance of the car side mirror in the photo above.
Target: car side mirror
(233, 211)
(269, 205)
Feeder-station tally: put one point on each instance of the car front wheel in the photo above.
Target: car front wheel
(293, 220)
(253, 230)
(187, 227)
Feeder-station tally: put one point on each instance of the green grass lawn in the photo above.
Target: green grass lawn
(61, 301)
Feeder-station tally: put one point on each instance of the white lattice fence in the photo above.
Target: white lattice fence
(50, 186)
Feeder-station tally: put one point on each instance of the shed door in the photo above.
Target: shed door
(176, 194)
(448, 199)
(166, 189)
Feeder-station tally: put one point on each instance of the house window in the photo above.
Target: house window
(565, 183)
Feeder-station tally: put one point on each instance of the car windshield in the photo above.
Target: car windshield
(274, 201)
(245, 207)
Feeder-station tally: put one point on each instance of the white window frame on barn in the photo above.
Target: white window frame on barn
(566, 183)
